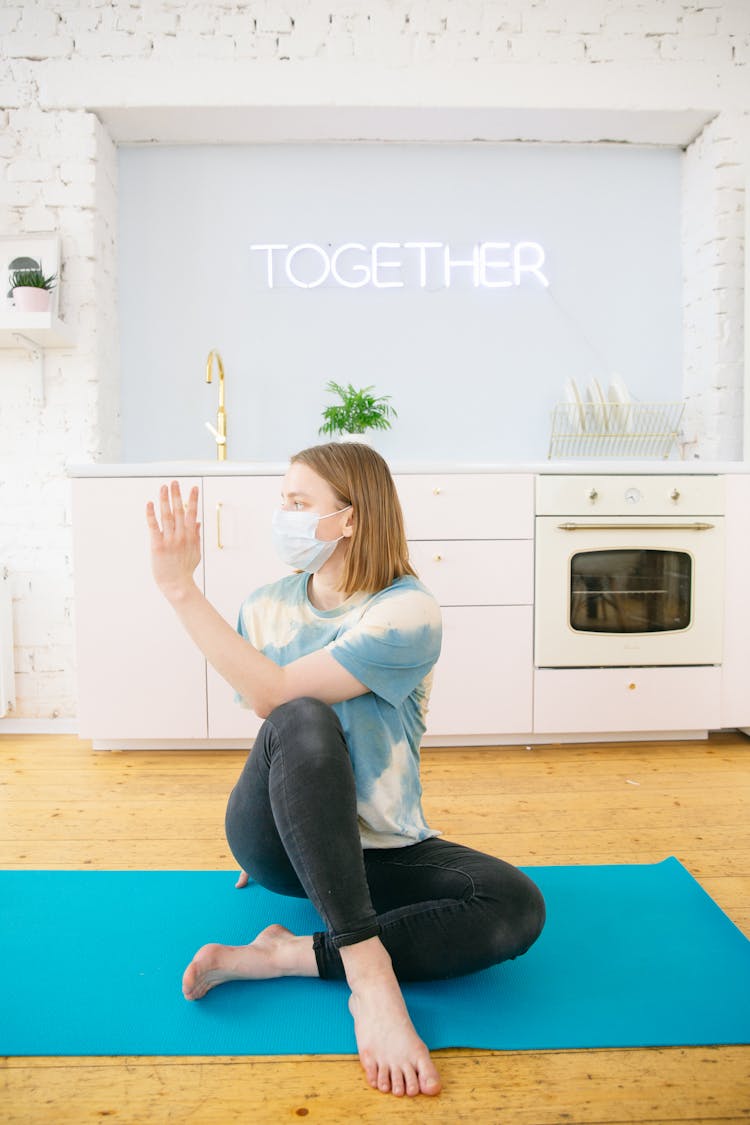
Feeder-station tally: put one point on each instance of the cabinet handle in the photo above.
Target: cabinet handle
(631, 687)
(438, 558)
(436, 491)
(219, 543)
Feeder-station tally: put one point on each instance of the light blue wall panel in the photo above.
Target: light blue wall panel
(473, 372)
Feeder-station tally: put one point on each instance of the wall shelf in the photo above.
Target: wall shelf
(34, 333)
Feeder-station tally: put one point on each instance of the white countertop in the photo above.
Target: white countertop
(602, 467)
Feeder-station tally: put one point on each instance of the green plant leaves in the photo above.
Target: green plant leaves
(31, 279)
(359, 411)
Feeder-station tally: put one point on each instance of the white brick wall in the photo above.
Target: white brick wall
(59, 177)
(59, 174)
(714, 175)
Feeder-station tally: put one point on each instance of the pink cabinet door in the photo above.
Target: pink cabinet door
(483, 680)
(239, 557)
(139, 674)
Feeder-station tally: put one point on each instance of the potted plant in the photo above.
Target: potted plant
(358, 412)
(30, 289)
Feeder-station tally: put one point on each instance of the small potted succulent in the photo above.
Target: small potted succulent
(358, 412)
(30, 289)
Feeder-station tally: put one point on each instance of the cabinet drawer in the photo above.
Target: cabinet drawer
(489, 572)
(483, 679)
(467, 505)
(607, 700)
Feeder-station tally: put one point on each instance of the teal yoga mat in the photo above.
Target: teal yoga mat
(631, 956)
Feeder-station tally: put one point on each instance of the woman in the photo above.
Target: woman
(337, 658)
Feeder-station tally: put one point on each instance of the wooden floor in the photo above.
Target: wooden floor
(64, 806)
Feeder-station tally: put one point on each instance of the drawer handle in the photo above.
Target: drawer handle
(438, 558)
(632, 687)
(219, 543)
(436, 491)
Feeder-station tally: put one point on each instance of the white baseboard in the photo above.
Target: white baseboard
(38, 726)
(70, 726)
(563, 739)
(172, 744)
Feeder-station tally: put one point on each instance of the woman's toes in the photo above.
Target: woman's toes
(398, 1085)
(384, 1079)
(412, 1082)
(429, 1083)
(370, 1068)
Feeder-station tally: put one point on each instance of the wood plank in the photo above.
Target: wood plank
(671, 1085)
(550, 805)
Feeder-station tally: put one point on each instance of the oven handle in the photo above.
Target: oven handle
(635, 526)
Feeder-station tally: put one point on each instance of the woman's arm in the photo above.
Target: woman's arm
(175, 554)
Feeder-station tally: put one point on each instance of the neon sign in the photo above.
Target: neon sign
(400, 265)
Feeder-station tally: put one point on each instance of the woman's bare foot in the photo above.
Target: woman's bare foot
(276, 952)
(394, 1058)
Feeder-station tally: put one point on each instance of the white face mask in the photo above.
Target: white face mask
(296, 542)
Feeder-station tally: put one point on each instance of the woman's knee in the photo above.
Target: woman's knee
(303, 714)
(518, 917)
(532, 916)
(305, 730)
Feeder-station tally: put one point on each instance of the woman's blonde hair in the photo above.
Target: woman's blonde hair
(378, 552)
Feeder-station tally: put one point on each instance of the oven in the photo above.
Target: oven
(629, 571)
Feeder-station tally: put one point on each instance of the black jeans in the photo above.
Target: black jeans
(440, 909)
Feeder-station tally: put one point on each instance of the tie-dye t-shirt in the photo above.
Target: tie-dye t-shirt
(389, 641)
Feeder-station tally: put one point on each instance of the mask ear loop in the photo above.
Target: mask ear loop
(338, 513)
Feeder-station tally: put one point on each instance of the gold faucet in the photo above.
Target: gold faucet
(220, 430)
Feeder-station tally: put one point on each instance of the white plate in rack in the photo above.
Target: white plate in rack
(573, 398)
(601, 410)
(619, 396)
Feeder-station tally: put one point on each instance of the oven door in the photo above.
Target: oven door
(615, 592)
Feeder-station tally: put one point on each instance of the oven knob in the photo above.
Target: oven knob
(593, 495)
(632, 495)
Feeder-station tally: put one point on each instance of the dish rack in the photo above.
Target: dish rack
(614, 429)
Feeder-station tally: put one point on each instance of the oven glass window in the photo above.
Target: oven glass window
(626, 591)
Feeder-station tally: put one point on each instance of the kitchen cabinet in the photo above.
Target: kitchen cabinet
(735, 682)
(483, 680)
(239, 557)
(139, 677)
(477, 506)
(141, 681)
(471, 542)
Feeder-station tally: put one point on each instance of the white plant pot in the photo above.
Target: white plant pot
(363, 439)
(26, 298)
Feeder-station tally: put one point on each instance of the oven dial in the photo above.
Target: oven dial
(632, 495)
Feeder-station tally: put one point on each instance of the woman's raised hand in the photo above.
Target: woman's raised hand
(175, 542)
